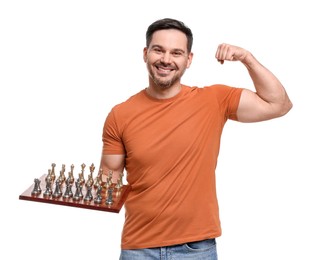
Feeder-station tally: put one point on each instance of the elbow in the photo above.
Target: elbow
(285, 108)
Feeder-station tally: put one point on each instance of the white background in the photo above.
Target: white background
(64, 64)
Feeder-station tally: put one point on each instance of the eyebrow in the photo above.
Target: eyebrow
(161, 47)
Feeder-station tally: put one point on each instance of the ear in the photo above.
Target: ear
(145, 54)
(189, 60)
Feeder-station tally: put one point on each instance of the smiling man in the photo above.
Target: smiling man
(167, 138)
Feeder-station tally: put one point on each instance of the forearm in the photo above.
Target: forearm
(114, 163)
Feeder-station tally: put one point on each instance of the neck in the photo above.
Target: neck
(163, 93)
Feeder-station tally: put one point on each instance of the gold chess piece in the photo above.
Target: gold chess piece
(98, 179)
(70, 175)
(119, 183)
(90, 180)
(81, 175)
(109, 179)
(49, 175)
(53, 174)
(61, 178)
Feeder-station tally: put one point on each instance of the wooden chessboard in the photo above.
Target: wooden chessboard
(119, 197)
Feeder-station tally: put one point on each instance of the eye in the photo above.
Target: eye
(177, 53)
(158, 50)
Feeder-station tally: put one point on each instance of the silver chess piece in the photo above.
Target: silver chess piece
(78, 191)
(48, 189)
(57, 192)
(36, 189)
(68, 192)
(98, 198)
(88, 196)
(109, 199)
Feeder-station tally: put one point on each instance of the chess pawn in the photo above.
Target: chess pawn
(78, 191)
(98, 198)
(48, 189)
(109, 199)
(88, 196)
(36, 189)
(68, 192)
(57, 192)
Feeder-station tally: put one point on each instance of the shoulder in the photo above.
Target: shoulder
(131, 102)
(222, 91)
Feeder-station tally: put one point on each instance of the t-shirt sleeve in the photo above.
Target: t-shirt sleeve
(111, 137)
(228, 98)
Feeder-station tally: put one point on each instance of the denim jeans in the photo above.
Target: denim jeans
(198, 250)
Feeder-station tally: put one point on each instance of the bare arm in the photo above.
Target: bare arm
(270, 99)
(114, 162)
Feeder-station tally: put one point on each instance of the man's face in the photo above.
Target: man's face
(167, 57)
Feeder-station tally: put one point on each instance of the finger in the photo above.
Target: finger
(220, 53)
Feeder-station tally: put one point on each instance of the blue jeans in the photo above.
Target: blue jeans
(198, 250)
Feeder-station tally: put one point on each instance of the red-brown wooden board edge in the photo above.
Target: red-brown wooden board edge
(118, 198)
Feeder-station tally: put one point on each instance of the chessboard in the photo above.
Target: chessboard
(107, 196)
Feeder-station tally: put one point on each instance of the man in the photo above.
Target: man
(167, 139)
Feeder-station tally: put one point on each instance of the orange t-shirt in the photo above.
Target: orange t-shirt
(171, 147)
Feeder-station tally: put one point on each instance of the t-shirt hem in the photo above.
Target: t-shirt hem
(170, 242)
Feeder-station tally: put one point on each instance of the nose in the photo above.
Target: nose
(166, 58)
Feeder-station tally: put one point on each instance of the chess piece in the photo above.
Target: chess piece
(57, 192)
(98, 198)
(48, 189)
(88, 196)
(62, 176)
(119, 183)
(78, 191)
(68, 192)
(109, 199)
(70, 175)
(109, 180)
(98, 179)
(92, 168)
(49, 175)
(90, 179)
(81, 175)
(53, 174)
(36, 189)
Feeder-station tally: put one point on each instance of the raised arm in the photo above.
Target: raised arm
(270, 99)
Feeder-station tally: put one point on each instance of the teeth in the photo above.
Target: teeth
(164, 69)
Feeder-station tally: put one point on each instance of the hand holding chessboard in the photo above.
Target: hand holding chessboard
(98, 193)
